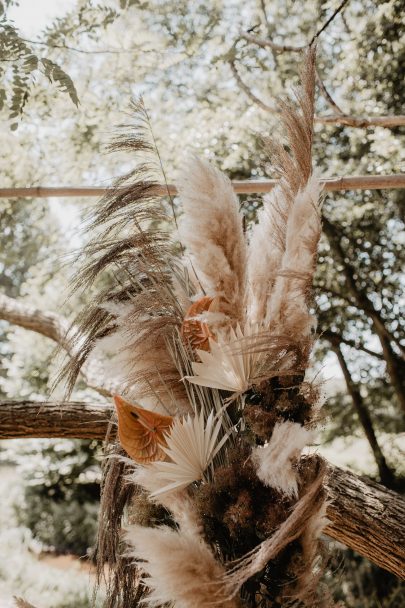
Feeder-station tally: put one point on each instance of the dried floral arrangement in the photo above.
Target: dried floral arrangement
(207, 499)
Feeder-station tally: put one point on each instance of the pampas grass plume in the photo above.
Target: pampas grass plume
(181, 568)
(211, 230)
(274, 461)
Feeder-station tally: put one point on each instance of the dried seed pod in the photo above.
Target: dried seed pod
(194, 331)
(141, 432)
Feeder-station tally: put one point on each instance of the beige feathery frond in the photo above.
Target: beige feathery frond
(180, 568)
(284, 207)
(276, 460)
(288, 306)
(294, 163)
(264, 256)
(211, 230)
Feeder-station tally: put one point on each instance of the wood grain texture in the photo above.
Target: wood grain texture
(364, 515)
(368, 518)
(73, 420)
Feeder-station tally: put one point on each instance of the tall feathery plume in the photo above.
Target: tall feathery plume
(211, 230)
(133, 316)
(264, 257)
(222, 507)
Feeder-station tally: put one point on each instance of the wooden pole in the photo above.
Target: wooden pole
(363, 515)
(332, 184)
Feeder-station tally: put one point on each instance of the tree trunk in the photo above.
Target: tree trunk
(363, 515)
(386, 474)
(395, 365)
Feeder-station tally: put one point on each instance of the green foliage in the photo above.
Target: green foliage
(61, 493)
(22, 572)
(361, 584)
(19, 66)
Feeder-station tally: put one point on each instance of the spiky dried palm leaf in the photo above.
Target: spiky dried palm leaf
(192, 444)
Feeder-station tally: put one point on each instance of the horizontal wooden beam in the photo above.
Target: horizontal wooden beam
(332, 184)
(363, 515)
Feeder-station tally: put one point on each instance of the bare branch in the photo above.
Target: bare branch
(47, 324)
(69, 419)
(329, 21)
(333, 336)
(368, 518)
(268, 43)
(363, 515)
(326, 94)
(52, 326)
(248, 91)
(283, 48)
(360, 122)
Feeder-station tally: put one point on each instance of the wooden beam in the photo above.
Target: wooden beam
(363, 515)
(332, 184)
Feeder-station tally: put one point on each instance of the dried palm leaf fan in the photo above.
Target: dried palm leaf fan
(210, 344)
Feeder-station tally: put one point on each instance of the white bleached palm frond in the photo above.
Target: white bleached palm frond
(228, 366)
(191, 446)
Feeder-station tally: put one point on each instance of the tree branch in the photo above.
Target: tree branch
(328, 22)
(368, 518)
(363, 515)
(360, 122)
(387, 476)
(52, 326)
(327, 96)
(333, 336)
(395, 364)
(339, 117)
(268, 43)
(47, 324)
(59, 419)
(248, 91)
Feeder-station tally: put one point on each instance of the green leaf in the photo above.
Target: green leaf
(55, 74)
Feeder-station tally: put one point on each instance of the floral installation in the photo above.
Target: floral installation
(207, 330)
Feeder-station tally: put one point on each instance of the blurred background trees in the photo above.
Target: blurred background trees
(209, 74)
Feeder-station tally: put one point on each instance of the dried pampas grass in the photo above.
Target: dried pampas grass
(288, 305)
(275, 462)
(211, 230)
(283, 244)
(180, 568)
(264, 257)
